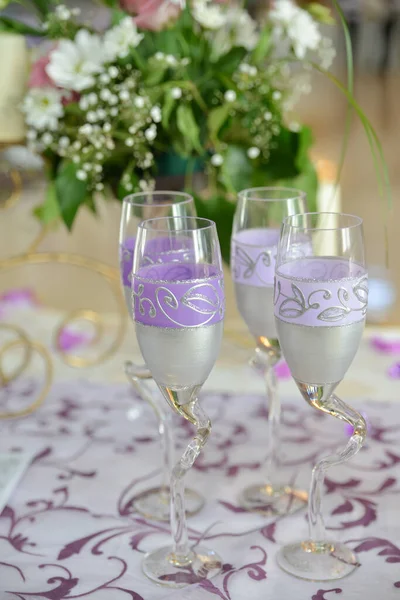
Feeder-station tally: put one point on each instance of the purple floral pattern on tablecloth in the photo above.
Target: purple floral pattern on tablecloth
(69, 531)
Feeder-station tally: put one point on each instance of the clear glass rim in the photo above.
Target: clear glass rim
(204, 224)
(292, 194)
(181, 198)
(357, 221)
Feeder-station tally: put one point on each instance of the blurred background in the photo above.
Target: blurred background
(375, 32)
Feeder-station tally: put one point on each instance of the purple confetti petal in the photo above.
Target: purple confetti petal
(394, 371)
(17, 298)
(385, 345)
(282, 370)
(68, 339)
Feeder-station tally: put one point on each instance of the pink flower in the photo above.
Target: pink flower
(153, 15)
(38, 77)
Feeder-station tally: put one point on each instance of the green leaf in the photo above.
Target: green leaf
(282, 160)
(320, 13)
(167, 108)
(71, 192)
(156, 73)
(117, 16)
(43, 6)
(188, 128)
(49, 211)
(216, 119)
(228, 63)
(236, 170)
(305, 142)
(264, 45)
(13, 26)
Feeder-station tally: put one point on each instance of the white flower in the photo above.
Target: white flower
(64, 141)
(151, 133)
(104, 78)
(113, 72)
(81, 175)
(129, 142)
(119, 39)
(159, 55)
(92, 98)
(230, 96)
(124, 95)
(62, 12)
(298, 24)
(217, 160)
(294, 126)
(208, 15)
(107, 127)
(139, 102)
(238, 29)
(176, 93)
(47, 139)
(42, 108)
(73, 64)
(156, 114)
(105, 94)
(171, 60)
(86, 129)
(253, 152)
(276, 95)
(267, 116)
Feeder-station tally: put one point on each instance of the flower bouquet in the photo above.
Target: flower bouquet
(171, 87)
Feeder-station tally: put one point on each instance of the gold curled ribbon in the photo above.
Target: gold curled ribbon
(23, 341)
(15, 195)
(31, 348)
(110, 274)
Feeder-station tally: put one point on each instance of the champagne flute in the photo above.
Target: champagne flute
(152, 503)
(256, 229)
(320, 307)
(178, 309)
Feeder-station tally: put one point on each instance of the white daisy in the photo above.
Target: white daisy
(42, 108)
(297, 24)
(239, 29)
(73, 63)
(119, 39)
(208, 15)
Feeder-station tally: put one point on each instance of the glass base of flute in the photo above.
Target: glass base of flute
(324, 561)
(155, 503)
(266, 498)
(162, 567)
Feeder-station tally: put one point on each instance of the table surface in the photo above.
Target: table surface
(69, 530)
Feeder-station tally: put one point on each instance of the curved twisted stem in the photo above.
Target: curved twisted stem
(182, 554)
(136, 375)
(268, 354)
(337, 408)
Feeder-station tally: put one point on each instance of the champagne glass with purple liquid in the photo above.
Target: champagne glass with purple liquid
(152, 503)
(178, 309)
(320, 306)
(255, 237)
